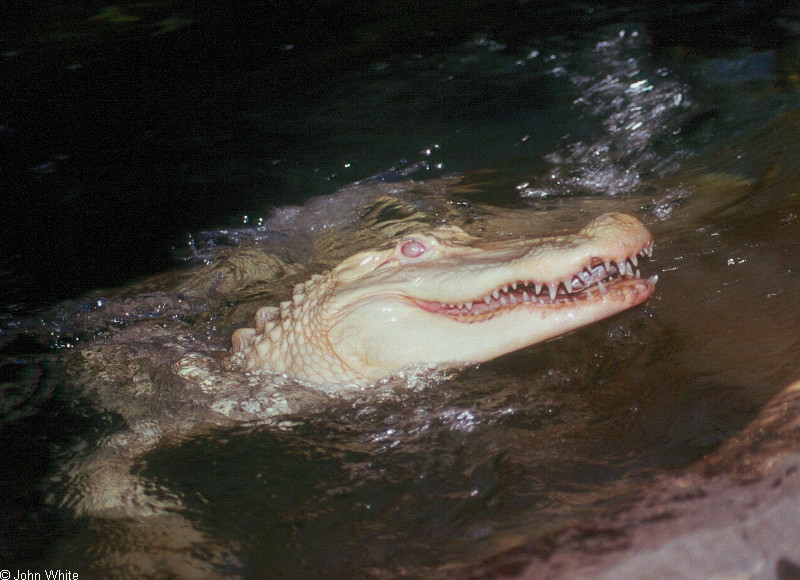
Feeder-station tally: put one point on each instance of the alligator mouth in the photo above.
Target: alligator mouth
(597, 281)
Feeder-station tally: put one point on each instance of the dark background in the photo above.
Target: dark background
(118, 138)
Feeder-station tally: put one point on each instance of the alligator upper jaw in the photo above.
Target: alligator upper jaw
(593, 283)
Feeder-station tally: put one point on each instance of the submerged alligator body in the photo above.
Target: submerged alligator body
(442, 299)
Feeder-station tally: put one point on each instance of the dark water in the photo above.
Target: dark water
(171, 117)
(144, 139)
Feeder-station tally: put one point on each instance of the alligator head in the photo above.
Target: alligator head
(443, 299)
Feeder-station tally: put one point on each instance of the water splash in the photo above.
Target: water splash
(633, 107)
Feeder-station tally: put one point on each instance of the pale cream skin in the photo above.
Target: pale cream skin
(442, 299)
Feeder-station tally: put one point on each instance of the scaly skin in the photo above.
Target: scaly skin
(442, 299)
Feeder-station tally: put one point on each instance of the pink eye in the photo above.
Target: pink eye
(413, 249)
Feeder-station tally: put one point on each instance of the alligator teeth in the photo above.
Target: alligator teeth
(582, 285)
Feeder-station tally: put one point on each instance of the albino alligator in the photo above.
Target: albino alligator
(441, 299)
(434, 300)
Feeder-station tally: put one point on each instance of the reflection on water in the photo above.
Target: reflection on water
(420, 477)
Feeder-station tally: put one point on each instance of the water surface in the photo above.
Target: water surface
(159, 138)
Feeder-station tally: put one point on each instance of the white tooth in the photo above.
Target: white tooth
(585, 276)
(621, 267)
(460, 305)
(537, 287)
(634, 260)
(638, 274)
(505, 289)
(514, 286)
(487, 299)
(496, 294)
(469, 305)
(654, 278)
(628, 269)
(442, 304)
(525, 296)
(553, 287)
(512, 299)
(503, 301)
(601, 287)
(568, 286)
(607, 265)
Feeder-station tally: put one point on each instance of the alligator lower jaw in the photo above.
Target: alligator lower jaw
(628, 290)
